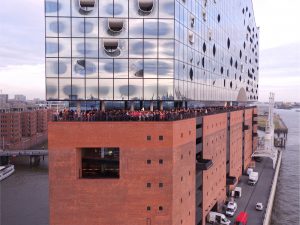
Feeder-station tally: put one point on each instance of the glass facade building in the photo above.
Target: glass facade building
(202, 50)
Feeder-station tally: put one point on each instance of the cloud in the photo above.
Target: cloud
(280, 73)
(23, 79)
(22, 32)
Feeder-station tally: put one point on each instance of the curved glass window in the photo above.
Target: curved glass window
(145, 7)
(115, 26)
(111, 47)
(86, 6)
(191, 37)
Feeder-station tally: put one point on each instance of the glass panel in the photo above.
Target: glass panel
(135, 89)
(150, 68)
(106, 89)
(64, 89)
(166, 48)
(77, 27)
(65, 67)
(120, 89)
(106, 8)
(136, 68)
(51, 27)
(78, 68)
(150, 89)
(106, 67)
(165, 68)
(165, 89)
(166, 8)
(166, 28)
(121, 68)
(51, 67)
(65, 47)
(91, 27)
(136, 28)
(64, 27)
(91, 68)
(91, 89)
(52, 88)
(51, 7)
(78, 89)
(150, 28)
(121, 8)
(91, 47)
(135, 48)
(64, 7)
(78, 47)
(150, 48)
(51, 47)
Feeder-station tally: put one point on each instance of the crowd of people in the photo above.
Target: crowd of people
(138, 115)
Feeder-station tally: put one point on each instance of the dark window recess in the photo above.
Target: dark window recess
(231, 61)
(198, 126)
(204, 47)
(203, 62)
(214, 50)
(224, 83)
(148, 161)
(100, 163)
(160, 208)
(219, 18)
(161, 161)
(148, 138)
(228, 43)
(191, 74)
(241, 54)
(148, 185)
(222, 70)
(160, 185)
(161, 137)
(199, 140)
(148, 208)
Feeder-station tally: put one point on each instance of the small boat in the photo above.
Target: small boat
(6, 171)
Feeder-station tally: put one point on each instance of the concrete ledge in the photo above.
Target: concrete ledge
(267, 219)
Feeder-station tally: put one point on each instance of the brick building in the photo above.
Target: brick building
(23, 130)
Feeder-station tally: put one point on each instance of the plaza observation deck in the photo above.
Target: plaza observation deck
(140, 115)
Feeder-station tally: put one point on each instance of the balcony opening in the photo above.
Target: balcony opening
(86, 6)
(111, 47)
(145, 7)
(115, 26)
(191, 38)
(191, 74)
(97, 163)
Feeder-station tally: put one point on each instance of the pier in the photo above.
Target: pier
(35, 156)
(280, 129)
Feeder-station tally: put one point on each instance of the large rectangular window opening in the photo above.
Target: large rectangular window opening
(97, 163)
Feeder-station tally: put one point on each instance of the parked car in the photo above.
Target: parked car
(259, 206)
(215, 217)
(253, 178)
(237, 192)
(231, 208)
(241, 219)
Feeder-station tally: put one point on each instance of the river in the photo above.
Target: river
(24, 195)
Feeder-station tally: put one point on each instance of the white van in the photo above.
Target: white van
(253, 177)
(237, 192)
(220, 218)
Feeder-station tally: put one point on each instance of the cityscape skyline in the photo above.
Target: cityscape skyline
(23, 68)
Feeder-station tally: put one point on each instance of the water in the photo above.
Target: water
(286, 208)
(24, 195)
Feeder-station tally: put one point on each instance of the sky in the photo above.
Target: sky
(22, 48)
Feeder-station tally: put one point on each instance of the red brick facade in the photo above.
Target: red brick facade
(124, 200)
(214, 148)
(236, 145)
